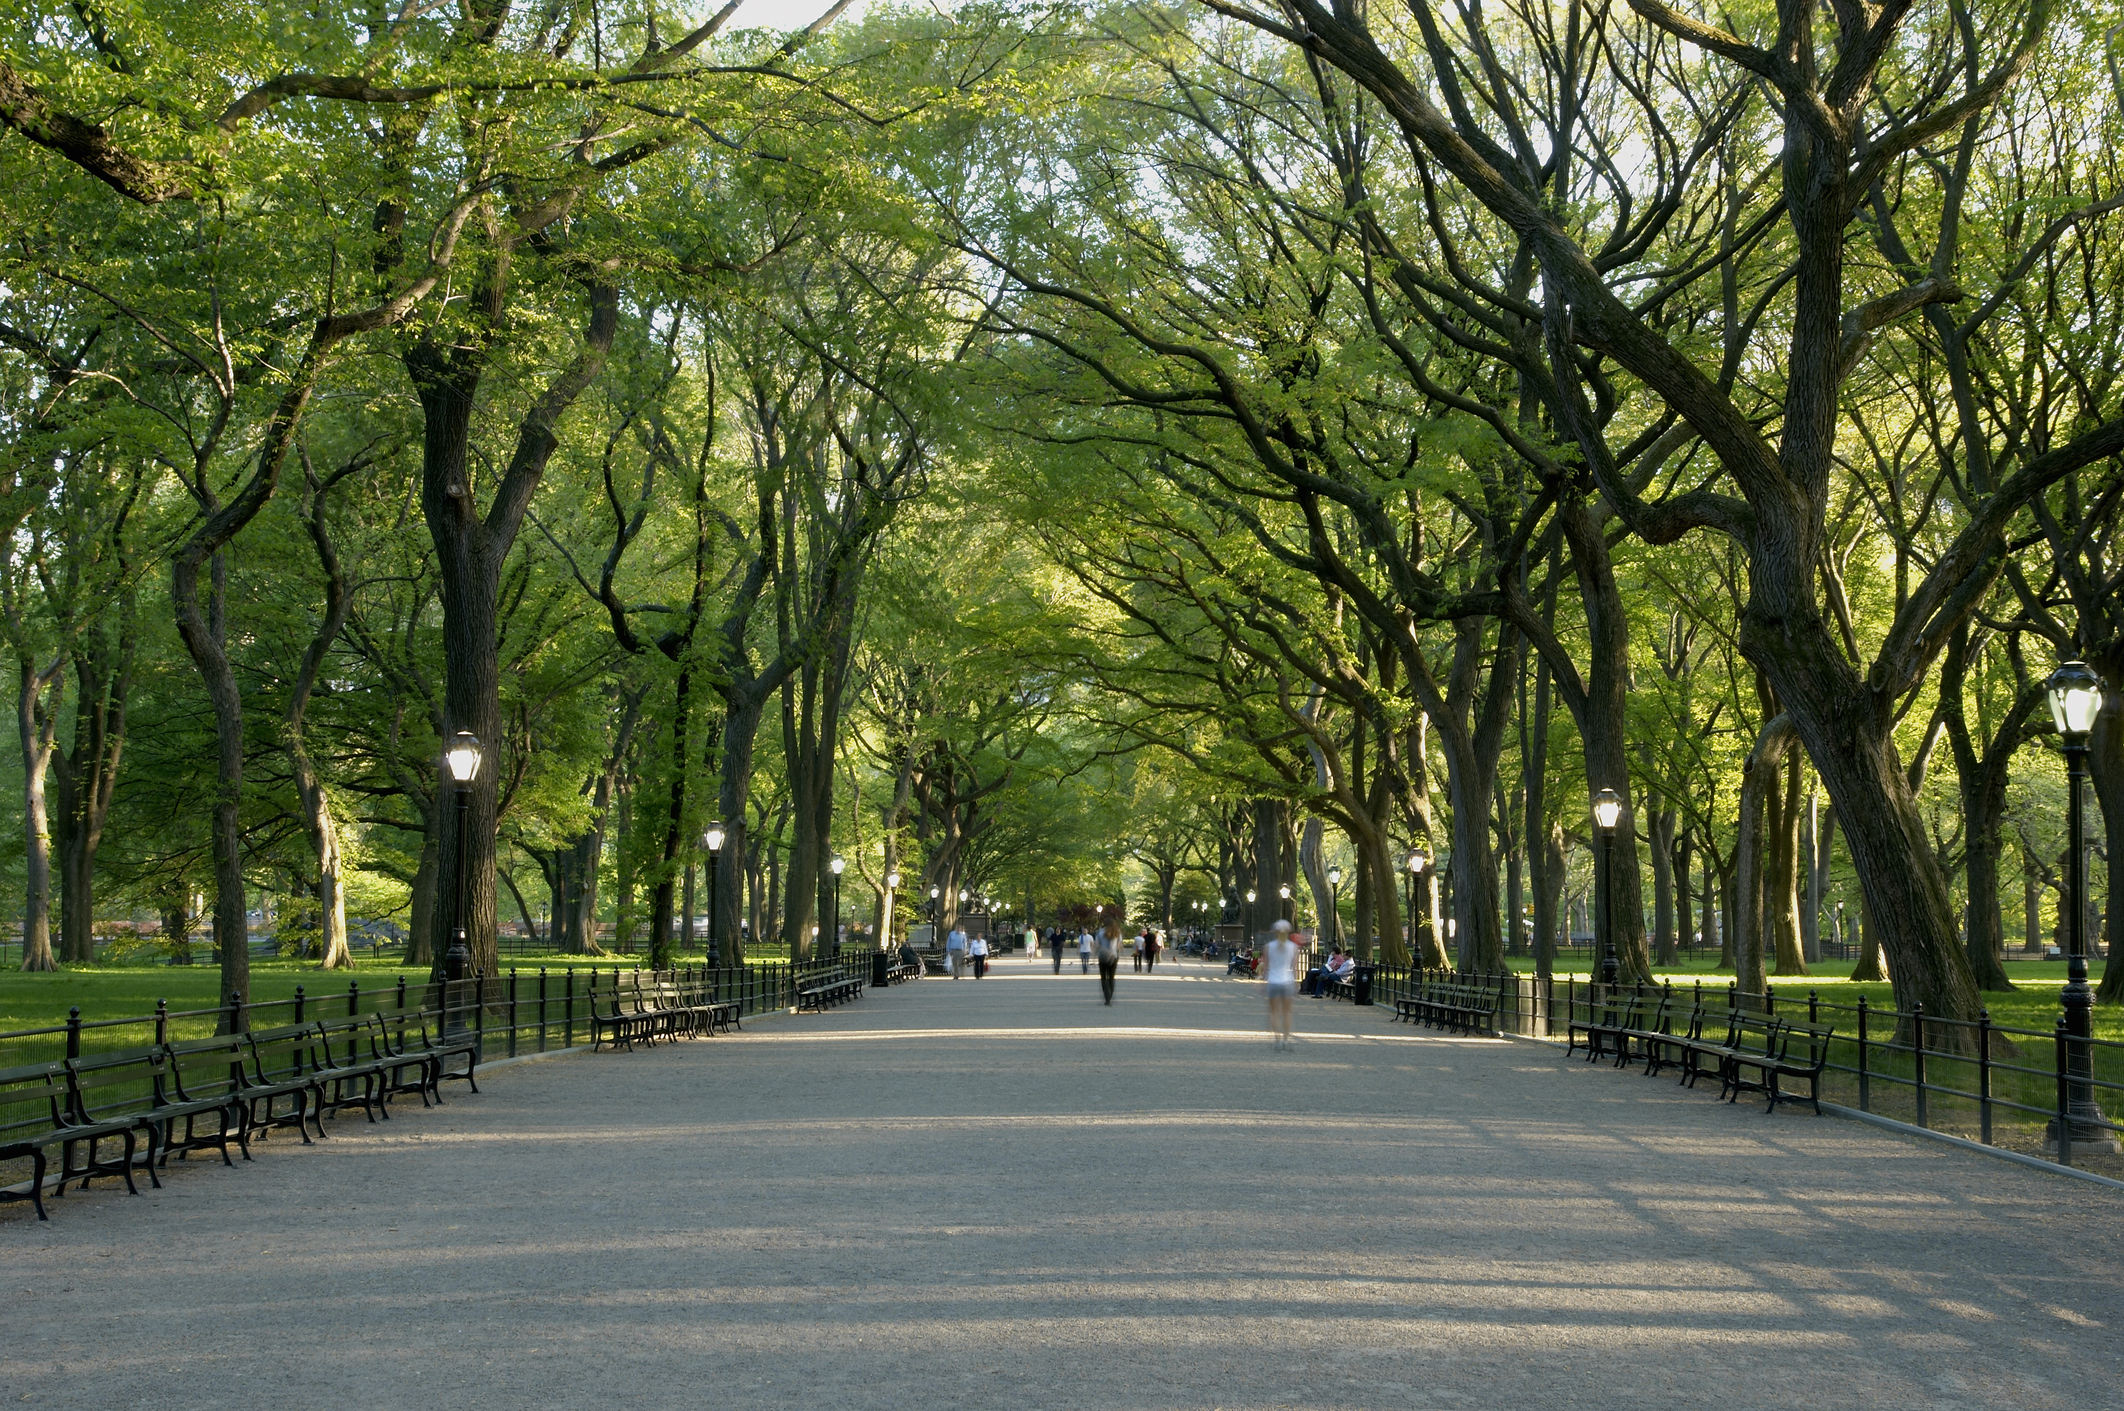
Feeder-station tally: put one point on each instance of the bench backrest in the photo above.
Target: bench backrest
(283, 1053)
(1759, 1035)
(107, 1086)
(1807, 1046)
(33, 1100)
(343, 1042)
(203, 1069)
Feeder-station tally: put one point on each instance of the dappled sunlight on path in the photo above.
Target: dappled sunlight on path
(1003, 1192)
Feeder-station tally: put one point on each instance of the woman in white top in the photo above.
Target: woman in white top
(980, 956)
(1280, 962)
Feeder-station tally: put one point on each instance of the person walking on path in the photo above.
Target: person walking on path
(1139, 954)
(980, 956)
(1150, 950)
(1109, 957)
(1054, 943)
(1280, 956)
(1084, 950)
(955, 950)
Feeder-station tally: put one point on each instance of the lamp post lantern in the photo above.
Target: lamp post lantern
(936, 905)
(463, 760)
(1335, 903)
(1250, 894)
(2075, 700)
(1283, 912)
(1607, 812)
(838, 865)
(892, 886)
(712, 839)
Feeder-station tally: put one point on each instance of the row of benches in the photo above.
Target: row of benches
(1465, 1009)
(191, 1095)
(828, 991)
(647, 1008)
(653, 1008)
(902, 969)
(1750, 1052)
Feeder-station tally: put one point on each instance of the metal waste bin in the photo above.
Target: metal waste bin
(1361, 983)
(880, 964)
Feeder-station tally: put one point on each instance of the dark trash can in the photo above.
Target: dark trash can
(1361, 983)
(880, 963)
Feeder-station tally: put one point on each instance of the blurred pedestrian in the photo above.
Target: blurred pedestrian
(1280, 958)
(1109, 957)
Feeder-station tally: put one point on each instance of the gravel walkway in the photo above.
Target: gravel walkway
(1000, 1193)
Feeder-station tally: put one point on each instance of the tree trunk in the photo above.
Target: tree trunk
(1783, 900)
(1868, 968)
(1548, 902)
(741, 728)
(1714, 932)
(1515, 886)
(1662, 849)
(471, 549)
(1814, 864)
(1751, 850)
(2105, 766)
(2032, 906)
(203, 638)
(1684, 892)
(36, 721)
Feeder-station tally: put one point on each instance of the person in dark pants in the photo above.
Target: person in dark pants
(1109, 957)
(1054, 943)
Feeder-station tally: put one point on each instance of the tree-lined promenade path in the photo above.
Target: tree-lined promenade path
(1001, 1193)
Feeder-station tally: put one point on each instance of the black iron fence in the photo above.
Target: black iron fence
(517, 1011)
(2039, 1091)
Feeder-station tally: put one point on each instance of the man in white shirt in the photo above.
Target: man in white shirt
(1084, 945)
(1279, 960)
(955, 950)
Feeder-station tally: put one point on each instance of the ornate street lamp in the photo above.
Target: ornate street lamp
(1335, 902)
(838, 865)
(2075, 701)
(1283, 913)
(1418, 860)
(1607, 812)
(1249, 915)
(712, 839)
(892, 885)
(463, 760)
(936, 904)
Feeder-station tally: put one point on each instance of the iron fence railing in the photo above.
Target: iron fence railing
(2035, 1090)
(522, 1010)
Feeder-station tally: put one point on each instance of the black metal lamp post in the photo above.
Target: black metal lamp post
(1335, 903)
(1250, 915)
(1607, 812)
(1418, 860)
(839, 865)
(462, 760)
(892, 888)
(1283, 912)
(712, 839)
(2075, 700)
(936, 908)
